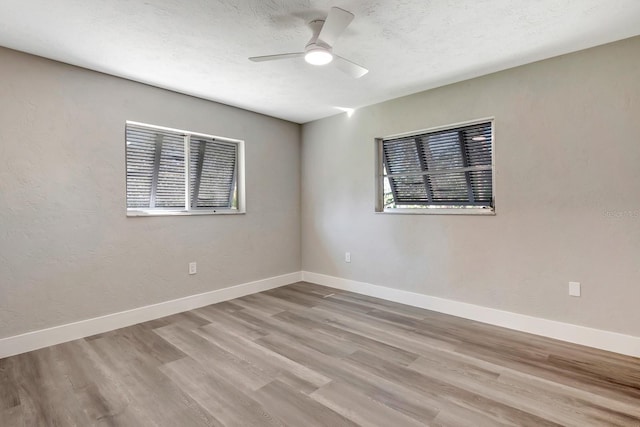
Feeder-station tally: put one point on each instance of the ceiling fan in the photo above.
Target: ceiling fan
(319, 50)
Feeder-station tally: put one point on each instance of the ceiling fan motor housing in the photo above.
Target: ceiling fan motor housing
(319, 49)
(316, 51)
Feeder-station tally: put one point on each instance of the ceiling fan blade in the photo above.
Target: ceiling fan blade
(354, 70)
(336, 22)
(276, 57)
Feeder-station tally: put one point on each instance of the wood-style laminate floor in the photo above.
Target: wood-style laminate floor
(306, 355)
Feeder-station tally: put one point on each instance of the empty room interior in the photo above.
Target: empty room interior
(320, 213)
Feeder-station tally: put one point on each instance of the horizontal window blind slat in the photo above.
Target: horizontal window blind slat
(215, 178)
(451, 166)
(141, 148)
(156, 167)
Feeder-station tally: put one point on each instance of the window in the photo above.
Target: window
(173, 172)
(444, 170)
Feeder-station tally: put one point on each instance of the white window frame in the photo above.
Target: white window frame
(188, 210)
(431, 209)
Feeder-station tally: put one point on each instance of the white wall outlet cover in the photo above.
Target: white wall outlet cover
(574, 289)
(193, 268)
(347, 257)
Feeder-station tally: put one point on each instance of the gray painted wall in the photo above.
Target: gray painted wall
(567, 156)
(567, 194)
(67, 250)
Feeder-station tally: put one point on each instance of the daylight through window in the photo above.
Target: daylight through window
(446, 170)
(176, 172)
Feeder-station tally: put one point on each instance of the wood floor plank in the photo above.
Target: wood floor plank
(429, 385)
(9, 392)
(296, 408)
(188, 320)
(351, 403)
(568, 411)
(96, 389)
(324, 344)
(407, 340)
(265, 309)
(229, 406)
(578, 400)
(308, 355)
(540, 368)
(272, 362)
(387, 351)
(12, 417)
(313, 289)
(153, 398)
(46, 397)
(234, 367)
(376, 303)
(464, 417)
(221, 320)
(394, 395)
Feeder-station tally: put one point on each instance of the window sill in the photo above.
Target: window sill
(136, 212)
(439, 211)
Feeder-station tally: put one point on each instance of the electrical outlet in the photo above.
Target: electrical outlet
(347, 257)
(193, 268)
(574, 289)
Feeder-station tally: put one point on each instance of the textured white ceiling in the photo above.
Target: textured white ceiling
(200, 47)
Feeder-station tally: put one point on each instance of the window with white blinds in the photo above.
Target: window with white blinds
(447, 170)
(171, 171)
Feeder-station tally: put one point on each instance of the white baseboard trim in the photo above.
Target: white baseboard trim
(597, 338)
(58, 334)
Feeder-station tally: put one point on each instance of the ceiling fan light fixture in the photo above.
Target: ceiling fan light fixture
(319, 49)
(318, 56)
